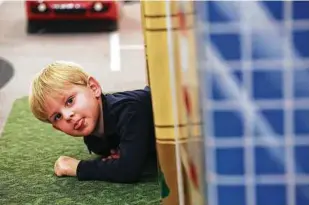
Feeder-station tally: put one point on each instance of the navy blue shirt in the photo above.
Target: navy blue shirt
(128, 126)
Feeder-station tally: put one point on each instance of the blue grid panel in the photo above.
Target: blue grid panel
(260, 40)
(265, 85)
(301, 154)
(231, 194)
(217, 93)
(301, 42)
(301, 122)
(226, 155)
(275, 122)
(266, 163)
(275, 8)
(301, 83)
(271, 194)
(228, 45)
(300, 10)
(227, 124)
(217, 13)
(302, 192)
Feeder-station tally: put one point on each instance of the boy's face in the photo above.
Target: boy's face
(77, 110)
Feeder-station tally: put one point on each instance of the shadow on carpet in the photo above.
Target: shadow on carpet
(28, 150)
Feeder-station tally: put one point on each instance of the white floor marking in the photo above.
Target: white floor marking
(115, 52)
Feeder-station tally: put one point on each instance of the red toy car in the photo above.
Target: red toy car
(41, 12)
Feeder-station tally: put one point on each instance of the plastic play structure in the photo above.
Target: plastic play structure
(230, 96)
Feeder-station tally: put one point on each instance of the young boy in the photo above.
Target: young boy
(119, 126)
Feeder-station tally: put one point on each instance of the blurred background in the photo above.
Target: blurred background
(252, 61)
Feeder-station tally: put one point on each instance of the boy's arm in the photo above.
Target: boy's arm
(133, 152)
(97, 145)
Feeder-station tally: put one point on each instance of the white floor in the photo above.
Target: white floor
(99, 53)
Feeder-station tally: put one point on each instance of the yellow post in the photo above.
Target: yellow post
(175, 127)
(145, 42)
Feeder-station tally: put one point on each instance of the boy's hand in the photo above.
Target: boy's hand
(66, 166)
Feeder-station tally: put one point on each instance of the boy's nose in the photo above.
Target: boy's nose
(68, 115)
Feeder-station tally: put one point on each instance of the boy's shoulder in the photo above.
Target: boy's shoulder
(119, 106)
(131, 97)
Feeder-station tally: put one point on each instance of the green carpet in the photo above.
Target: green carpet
(28, 150)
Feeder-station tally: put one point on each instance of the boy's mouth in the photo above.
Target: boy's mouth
(79, 124)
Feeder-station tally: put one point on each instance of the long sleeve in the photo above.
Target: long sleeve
(133, 151)
(97, 145)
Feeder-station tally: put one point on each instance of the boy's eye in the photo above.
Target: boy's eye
(69, 101)
(57, 117)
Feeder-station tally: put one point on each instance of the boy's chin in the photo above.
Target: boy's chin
(85, 132)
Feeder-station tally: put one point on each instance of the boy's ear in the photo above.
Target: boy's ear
(94, 85)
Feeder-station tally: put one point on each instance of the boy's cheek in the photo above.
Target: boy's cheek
(56, 127)
(61, 129)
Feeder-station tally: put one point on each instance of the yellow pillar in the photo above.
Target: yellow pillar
(145, 42)
(175, 137)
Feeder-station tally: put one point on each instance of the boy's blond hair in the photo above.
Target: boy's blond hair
(51, 81)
